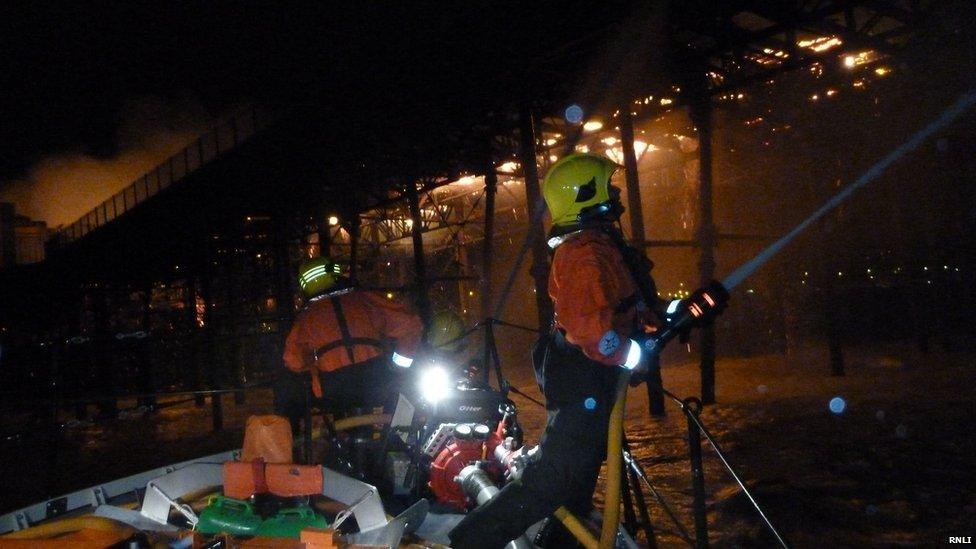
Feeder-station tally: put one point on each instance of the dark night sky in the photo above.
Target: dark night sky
(386, 73)
(68, 72)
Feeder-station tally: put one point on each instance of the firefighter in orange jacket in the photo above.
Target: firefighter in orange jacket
(345, 343)
(604, 300)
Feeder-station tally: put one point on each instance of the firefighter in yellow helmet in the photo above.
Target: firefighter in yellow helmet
(604, 297)
(347, 341)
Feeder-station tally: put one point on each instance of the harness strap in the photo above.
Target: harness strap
(367, 341)
(639, 266)
(347, 341)
(343, 327)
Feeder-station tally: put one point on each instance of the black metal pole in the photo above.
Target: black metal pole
(540, 256)
(831, 304)
(147, 374)
(233, 342)
(630, 515)
(213, 377)
(419, 262)
(491, 189)
(641, 502)
(638, 474)
(691, 408)
(354, 225)
(634, 205)
(488, 351)
(107, 380)
(284, 292)
(196, 376)
(735, 476)
(217, 410)
(325, 238)
(701, 115)
(655, 398)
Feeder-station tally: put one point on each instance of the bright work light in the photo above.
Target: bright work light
(434, 384)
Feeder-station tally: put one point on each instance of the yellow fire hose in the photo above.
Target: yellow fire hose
(67, 525)
(577, 528)
(611, 510)
(347, 423)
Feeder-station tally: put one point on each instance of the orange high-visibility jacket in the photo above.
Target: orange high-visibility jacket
(368, 315)
(594, 295)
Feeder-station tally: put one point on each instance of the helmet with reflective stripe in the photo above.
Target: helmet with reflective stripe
(318, 275)
(578, 184)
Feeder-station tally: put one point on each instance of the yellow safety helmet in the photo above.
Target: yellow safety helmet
(578, 183)
(445, 329)
(318, 275)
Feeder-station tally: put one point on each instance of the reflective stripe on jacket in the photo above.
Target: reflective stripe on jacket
(594, 296)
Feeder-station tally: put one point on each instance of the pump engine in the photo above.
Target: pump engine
(453, 446)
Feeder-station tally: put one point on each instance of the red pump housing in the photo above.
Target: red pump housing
(456, 455)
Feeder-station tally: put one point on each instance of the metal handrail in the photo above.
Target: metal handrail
(222, 137)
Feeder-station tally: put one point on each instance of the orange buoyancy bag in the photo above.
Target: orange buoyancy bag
(268, 438)
(291, 480)
(243, 479)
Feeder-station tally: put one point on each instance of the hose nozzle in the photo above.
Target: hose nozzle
(699, 309)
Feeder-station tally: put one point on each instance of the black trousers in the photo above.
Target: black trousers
(363, 385)
(579, 395)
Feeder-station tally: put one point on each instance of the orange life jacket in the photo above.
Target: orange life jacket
(594, 295)
(351, 328)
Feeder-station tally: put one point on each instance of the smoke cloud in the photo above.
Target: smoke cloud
(61, 188)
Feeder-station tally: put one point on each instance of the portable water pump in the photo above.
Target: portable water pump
(456, 446)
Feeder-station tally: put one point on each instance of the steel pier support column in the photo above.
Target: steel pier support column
(232, 347)
(655, 398)
(491, 189)
(691, 408)
(284, 275)
(104, 350)
(636, 210)
(354, 246)
(701, 116)
(147, 374)
(419, 264)
(194, 381)
(325, 235)
(540, 256)
(213, 376)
